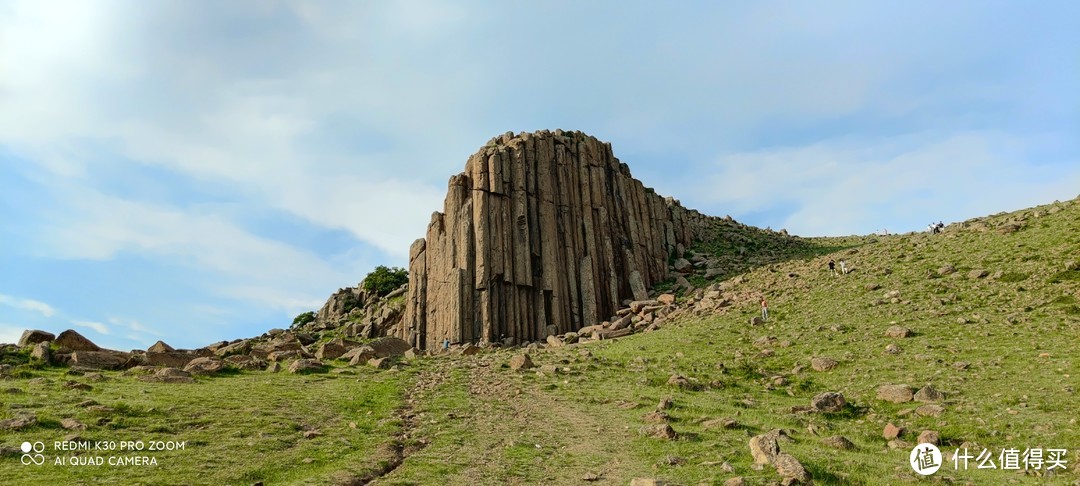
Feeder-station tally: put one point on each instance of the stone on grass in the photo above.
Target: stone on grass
(895, 393)
(838, 442)
(892, 431)
(930, 410)
(306, 366)
(823, 364)
(898, 332)
(929, 394)
(930, 437)
(521, 362)
(831, 402)
(659, 431)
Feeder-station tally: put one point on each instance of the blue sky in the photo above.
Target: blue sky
(200, 171)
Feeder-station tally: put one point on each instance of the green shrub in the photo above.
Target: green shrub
(304, 318)
(384, 280)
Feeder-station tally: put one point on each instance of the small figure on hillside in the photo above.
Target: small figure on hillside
(843, 266)
(764, 309)
(446, 343)
(832, 266)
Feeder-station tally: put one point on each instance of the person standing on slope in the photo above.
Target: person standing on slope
(832, 266)
(764, 309)
(843, 266)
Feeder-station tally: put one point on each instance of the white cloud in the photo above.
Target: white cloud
(27, 304)
(134, 326)
(97, 326)
(844, 186)
(10, 334)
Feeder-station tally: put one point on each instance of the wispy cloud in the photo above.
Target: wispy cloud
(97, 326)
(27, 305)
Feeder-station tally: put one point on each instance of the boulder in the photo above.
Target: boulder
(764, 447)
(359, 355)
(389, 346)
(330, 350)
(830, 402)
(205, 366)
(160, 347)
(43, 353)
(33, 336)
(790, 469)
(73, 341)
(172, 359)
(666, 299)
(895, 393)
(898, 332)
(823, 364)
(929, 394)
(245, 362)
(169, 375)
(99, 360)
(521, 362)
(379, 363)
(838, 442)
(892, 431)
(307, 366)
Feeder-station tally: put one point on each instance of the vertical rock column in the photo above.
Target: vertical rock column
(544, 232)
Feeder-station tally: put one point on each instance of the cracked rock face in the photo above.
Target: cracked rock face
(544, 233)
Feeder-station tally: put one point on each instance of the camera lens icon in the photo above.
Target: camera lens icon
(37, 458)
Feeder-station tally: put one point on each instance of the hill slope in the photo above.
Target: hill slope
(991, 305)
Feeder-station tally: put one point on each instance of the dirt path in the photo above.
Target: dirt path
(513, 432)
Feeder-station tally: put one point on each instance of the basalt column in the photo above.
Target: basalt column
(543, 233)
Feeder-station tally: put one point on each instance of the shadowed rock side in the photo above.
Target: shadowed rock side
(543, 233)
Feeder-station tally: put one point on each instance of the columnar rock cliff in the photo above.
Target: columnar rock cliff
(542, 234)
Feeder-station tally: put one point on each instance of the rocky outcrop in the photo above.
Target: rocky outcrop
(543, 233)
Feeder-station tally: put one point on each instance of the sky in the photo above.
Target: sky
(197, 171)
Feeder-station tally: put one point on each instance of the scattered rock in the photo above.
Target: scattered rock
(735, 481)
(823, 364)
(659, 431)
(649, 482)
(72, 424)
(169, 375)
(764, 447)
(930, 410)
(929, 394)
(33, 336)
(306, 366)
(656, 416)
(205, 365)
(665, 403)
(521, 362)
(756, 321)
(977, 273)
(831, 402)
(682, 265)
(898, 332)
(379, 363)
(356, 356)
(74, 385)
(838, 442)
(720, 423)
(18, 423)
(273, 367)
(678, 381)
(895, 393)
(892, 431)
(666, 299)
(930, 437)
(892, 349)
(790, 469)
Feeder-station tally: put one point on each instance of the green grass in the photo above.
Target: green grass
(236, 429)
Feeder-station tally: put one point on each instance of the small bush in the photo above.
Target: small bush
(384, 280)
(304, 318)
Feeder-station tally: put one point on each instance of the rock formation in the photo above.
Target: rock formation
(543, 233)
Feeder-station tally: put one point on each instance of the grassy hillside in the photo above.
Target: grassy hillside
(993, 306)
